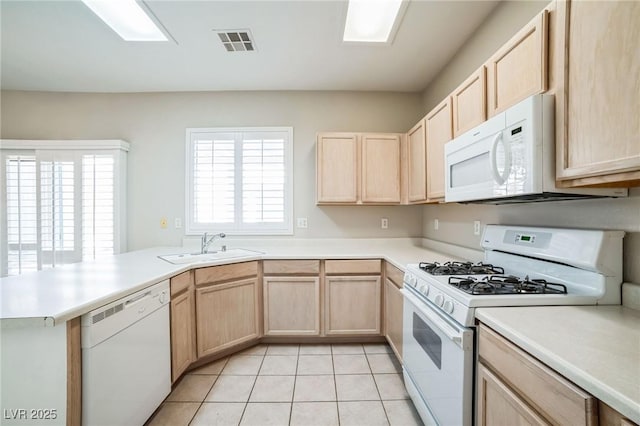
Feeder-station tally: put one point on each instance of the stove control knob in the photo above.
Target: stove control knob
(425, 289)
(448, 306)
(413, 281)
(439, 300)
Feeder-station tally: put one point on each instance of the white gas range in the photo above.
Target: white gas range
(522, 266)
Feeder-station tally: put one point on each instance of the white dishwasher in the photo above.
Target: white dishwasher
(126, 364)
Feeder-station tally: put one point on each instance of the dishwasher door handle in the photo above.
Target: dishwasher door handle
(137, 298)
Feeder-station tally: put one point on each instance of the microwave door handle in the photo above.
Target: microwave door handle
(497, 176)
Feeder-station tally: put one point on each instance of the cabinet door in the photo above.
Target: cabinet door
(380, 168)
(337, 168)
(550, 394)
(469, 102)
(417, 163)
(226, 315)
(393, 316)
(597, 125)
(438, 130)
(519, 68)
(182, 338)
(352, 305)
(291, 306)
(499, 405)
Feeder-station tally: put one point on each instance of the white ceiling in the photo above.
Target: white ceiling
(62, 46)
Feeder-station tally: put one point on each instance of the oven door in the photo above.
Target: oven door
(438, 363)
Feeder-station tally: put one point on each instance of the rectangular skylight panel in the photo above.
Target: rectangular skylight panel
(371, 20)
(127, 18)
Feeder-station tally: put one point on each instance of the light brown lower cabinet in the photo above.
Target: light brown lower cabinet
(515, 388)
(291, 306)
(182, 342)
(352, 305)
(393, 316)
(226, 315)
(183, 349)
(499, 405)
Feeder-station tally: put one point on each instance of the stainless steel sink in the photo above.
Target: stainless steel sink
(182, 258)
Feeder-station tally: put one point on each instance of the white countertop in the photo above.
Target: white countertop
(595, 347)
(54, 296)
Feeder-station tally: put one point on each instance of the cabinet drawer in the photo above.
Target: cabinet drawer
(283, 267)
(395, 275)
(552, 395)
(365, 266)
(234, 271)
(180, 283)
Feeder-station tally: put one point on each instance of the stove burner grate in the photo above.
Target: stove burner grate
(460, 268)
(499, 284)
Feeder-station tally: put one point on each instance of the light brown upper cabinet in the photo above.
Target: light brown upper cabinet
(469, 102)
(519, 68)
(439, 131)
(381, 168)
(417, 163)
(337, 169)
(596, 67)
(354, 168)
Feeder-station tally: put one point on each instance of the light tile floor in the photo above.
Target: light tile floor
(302, 385)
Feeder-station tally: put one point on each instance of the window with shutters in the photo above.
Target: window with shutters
(239, 180)
(62, 203)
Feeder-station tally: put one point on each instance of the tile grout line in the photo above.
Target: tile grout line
(295, 380)
(246, 404)
(335, 384)
(384, 410)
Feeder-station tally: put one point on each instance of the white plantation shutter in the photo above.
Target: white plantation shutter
(214, 179)
(62, 206)
(239, 180)
(98, 206)
(21, 214)
(58, 210)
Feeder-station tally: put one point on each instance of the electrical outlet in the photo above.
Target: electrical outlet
(163, 223)
(384, 223)
(178, 223)
(436, 224)
(476, 227)
(301, 222)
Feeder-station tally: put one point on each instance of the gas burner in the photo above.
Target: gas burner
(483, 287)
(501, 279)
(500, 284)
(541, 286)
(460, 268)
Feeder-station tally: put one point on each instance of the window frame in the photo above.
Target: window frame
(238, 227)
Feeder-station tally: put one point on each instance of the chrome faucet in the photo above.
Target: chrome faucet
(206, 241)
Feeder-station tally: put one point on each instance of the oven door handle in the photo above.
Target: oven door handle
(454, 335)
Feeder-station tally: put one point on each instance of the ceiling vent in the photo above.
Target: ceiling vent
(237, 40)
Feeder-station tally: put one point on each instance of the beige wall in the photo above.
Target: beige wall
(155, 125)
(505, 20)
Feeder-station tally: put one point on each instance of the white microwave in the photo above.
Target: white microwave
(510, 158)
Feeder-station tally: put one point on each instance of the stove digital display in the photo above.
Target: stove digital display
(520, 238)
